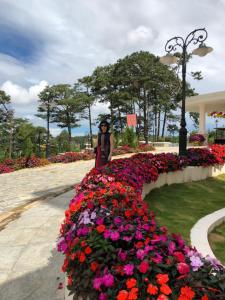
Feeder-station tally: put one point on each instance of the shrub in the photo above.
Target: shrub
(113, 247)
(197, 138)
(129, 137)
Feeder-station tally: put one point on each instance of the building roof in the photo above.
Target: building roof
(212, 102)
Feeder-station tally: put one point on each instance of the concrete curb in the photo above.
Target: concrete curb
(200, 231)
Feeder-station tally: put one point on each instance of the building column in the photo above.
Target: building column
(202, 119)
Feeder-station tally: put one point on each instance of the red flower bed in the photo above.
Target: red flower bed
(5, 169)
(113, 247)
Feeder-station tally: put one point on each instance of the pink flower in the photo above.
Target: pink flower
(138, 235)
(140, 254)
(102, 296)
(129, 269)
(114, 235)
(183, 268)
(108, 280)
(97, 282)
(122, 255)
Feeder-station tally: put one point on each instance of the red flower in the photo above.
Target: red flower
(133, 294)
(183, 268)
(87, 250)
(165, 289)
(152, 289)
(162, 297)
(100, 228)
(81, 257)
(179, 256)
(131, 282)
(144, 266)
(205, 297)
(123, 295)
(186, 293)
(162, 278)
(94, 266)
(139, 245)
(83, 243)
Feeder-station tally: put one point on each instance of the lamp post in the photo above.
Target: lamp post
(197, 36)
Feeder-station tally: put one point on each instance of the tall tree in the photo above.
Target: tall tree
(47, 103)
(69, 106)
(86, 86)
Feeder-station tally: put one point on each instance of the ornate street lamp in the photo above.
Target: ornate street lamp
(197, 36)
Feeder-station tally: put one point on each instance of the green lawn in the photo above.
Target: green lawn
(180, 206)
(217, 242)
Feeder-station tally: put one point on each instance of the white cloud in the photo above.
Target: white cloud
(139, 35)
(20, 95)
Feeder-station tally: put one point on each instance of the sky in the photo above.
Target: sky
(58, 41)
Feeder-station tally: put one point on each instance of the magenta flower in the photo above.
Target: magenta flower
(138, 235)
(122, 255)
(102, 296)
(108, 280)
(129, 269)
(97, 282)
(107, 234)
(117, 220)
(114, 235)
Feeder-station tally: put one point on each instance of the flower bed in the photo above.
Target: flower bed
(113, 247)
(197, 139)
(11, 165)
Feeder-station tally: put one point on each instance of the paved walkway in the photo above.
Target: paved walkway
(29, 263)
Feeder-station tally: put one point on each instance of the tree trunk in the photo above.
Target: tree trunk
(155, 117)
(10, 141)
(48, 133)
(145, 119)
(158, 129)
(121, 125)
(90, 125)
(164, 123)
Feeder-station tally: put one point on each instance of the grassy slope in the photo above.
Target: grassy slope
(180, 206)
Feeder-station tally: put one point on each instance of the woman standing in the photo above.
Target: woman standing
(104, 145)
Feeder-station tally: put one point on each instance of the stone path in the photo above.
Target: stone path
(29, 263)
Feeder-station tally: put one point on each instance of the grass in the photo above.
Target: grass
(180, 206)
(217, 242)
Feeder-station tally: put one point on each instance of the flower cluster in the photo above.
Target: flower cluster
(197, 138)
(72, 157)
(11, 165)
(218, 151)
(113, 247)
(217, 114)
(5, 169)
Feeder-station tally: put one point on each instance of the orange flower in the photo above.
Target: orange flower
(123, 295)
(131, 282)
(186, 293)
(152, 289)
(205, 297)
(87, 250)
(100, 228)
(165, 289)
(162, 278)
